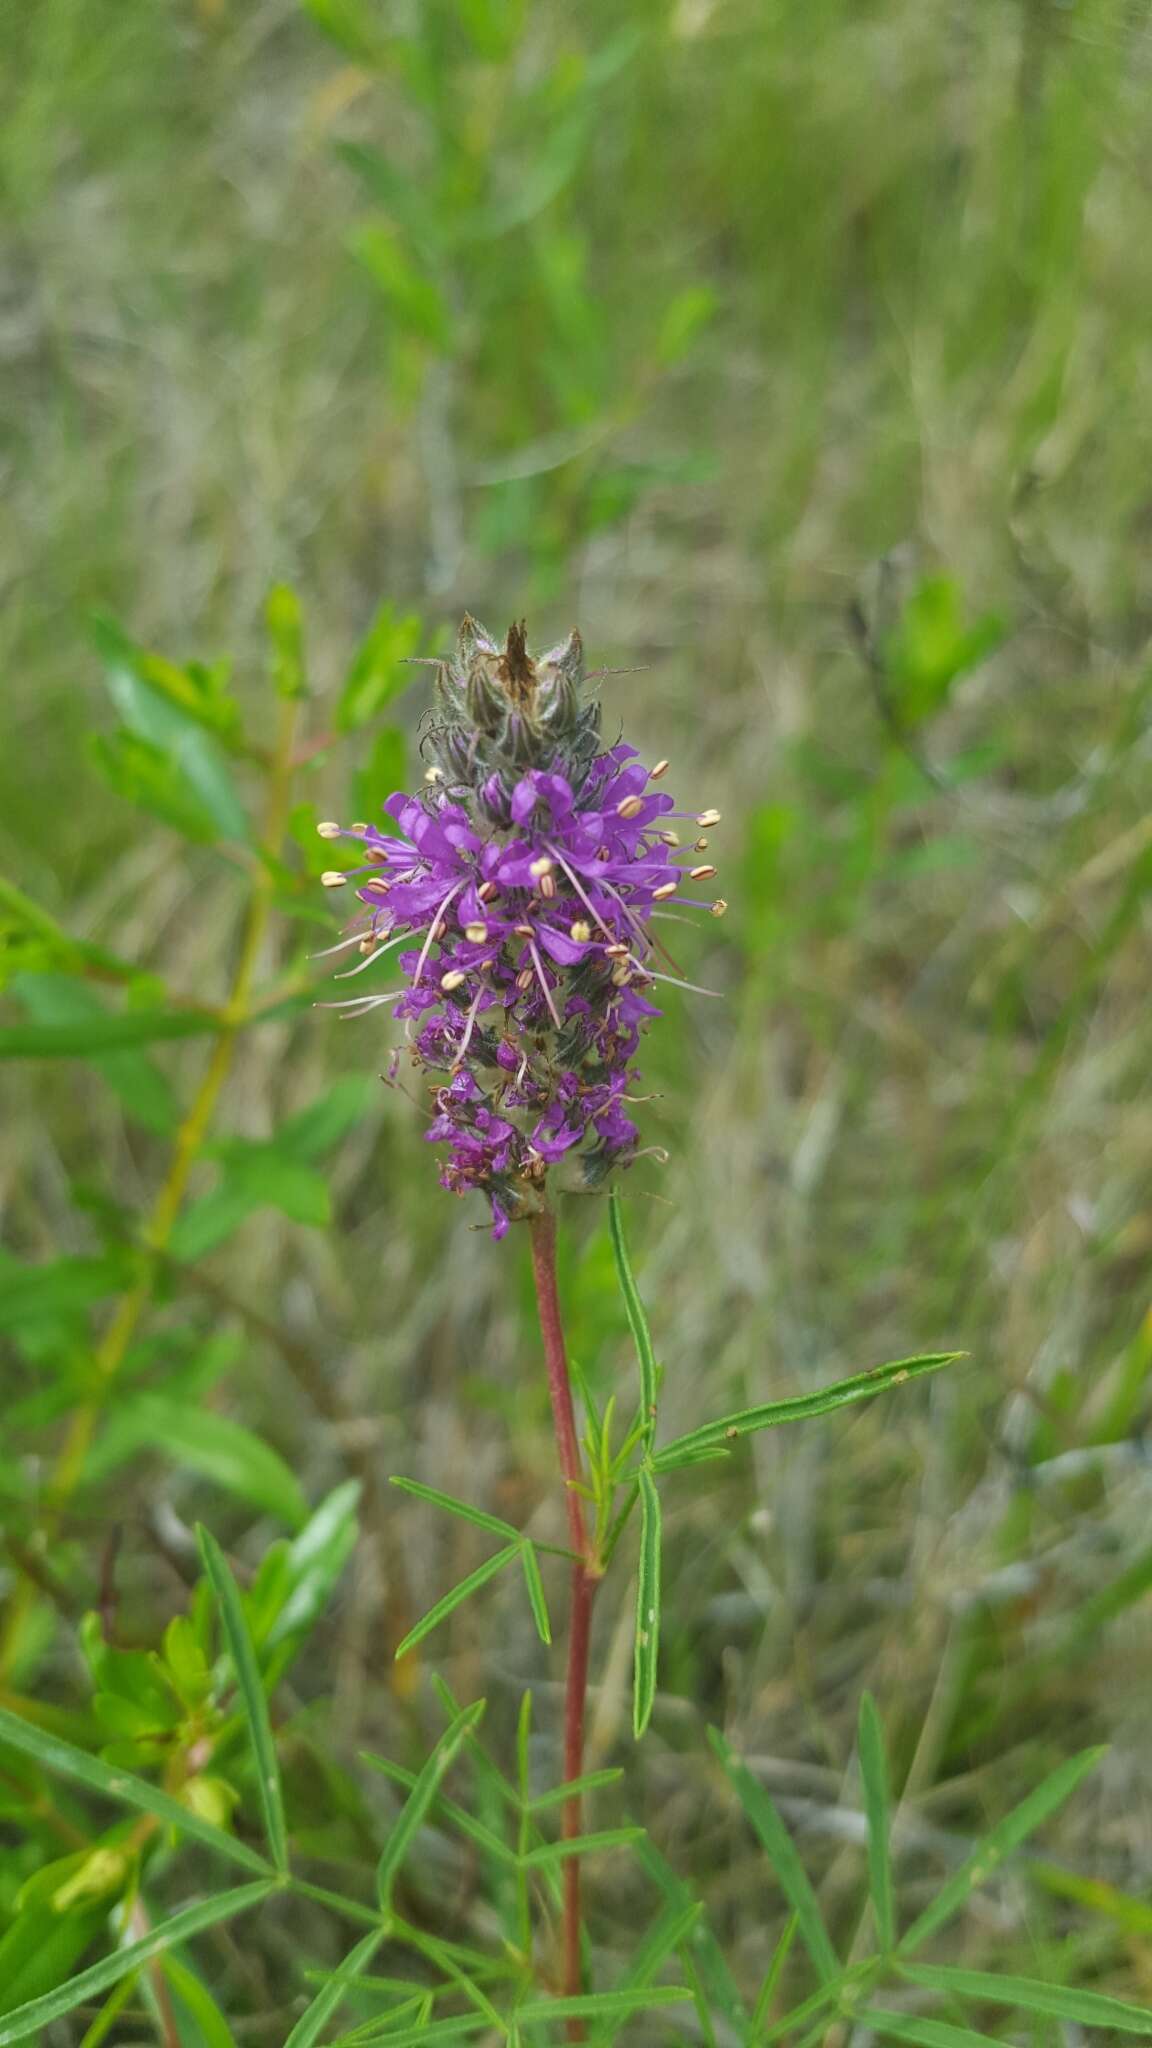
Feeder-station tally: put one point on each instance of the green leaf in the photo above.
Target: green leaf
(467, 1513)
(671, 1928)
(284, 621)
(603, 2005)
(716, 1435)
(65, 1761)
(383, 771)
(83, 1037)
(40, 1949)
(899, 2026)
(416, 302)
(427, 2031)
(637, 1320)
(424, 1791)
(591, 1781)
(990, 1853)
(140, 1086)
(685, 317)
(932, 647)
(1056, 2001)
(30, 2019)
(767, 1825)
(316, 1558)
(458, 1595)
(581, 1845)
(58, 1290)
(874, 1771)
(701, 1948)
(206, 2015)
(351, 25)
(647, 1652)
(315, 1129)
(164, 712)
(252, 1695)
(475, 1830)
(311, 2023)
(377, 677)
(227, 1453)
(403, 198)
(535, 1585)
(148, 778)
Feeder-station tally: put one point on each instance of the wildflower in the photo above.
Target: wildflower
(520, 885)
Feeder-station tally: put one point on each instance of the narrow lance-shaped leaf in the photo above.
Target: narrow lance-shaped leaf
(458, 1595)
(767, 1825)
(647, 1651)
(76, 1038)
(924, 2033)
(311, 2023)
(638, 1321)
(535, 1585)
(420, 1799)
(479, 1517)
(252, 1696)
(874, 1771)
(715, 1435)
(30, 2020)
(1055, 2001)
(65, 1761)
(989, 1854)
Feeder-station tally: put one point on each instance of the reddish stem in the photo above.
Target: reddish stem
(585, 1579)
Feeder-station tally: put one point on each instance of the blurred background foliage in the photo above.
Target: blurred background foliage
(800, 354)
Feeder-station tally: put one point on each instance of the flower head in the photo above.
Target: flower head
(518, 893)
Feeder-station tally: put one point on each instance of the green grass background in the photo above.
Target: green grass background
(778, 346)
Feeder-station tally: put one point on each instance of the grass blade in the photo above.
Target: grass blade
(647, 1654)
(252, 1695)
(479, 1517)
(111, 1783)
(29, 2020)
(458, 1594)
(310, 2023)
(1055, 2001)
(427, 1785)
(771, 1832)
(901, 2026)
(773, 1975)
(874, 1771)
(535, 1585)
(715, 1435)
(637, 1320)
(1006, 1836)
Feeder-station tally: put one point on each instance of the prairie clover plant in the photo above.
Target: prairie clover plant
(523, 891)
(521, 897)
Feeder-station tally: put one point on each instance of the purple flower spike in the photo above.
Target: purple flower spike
(516, 895)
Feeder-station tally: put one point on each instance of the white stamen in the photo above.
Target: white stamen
(539, 966)
(428, 943)
(708, 817)
(386, 948)
(332, 880)
(329, 830)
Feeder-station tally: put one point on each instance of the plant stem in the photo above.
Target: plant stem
(113, 1347)
(585, 1579)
